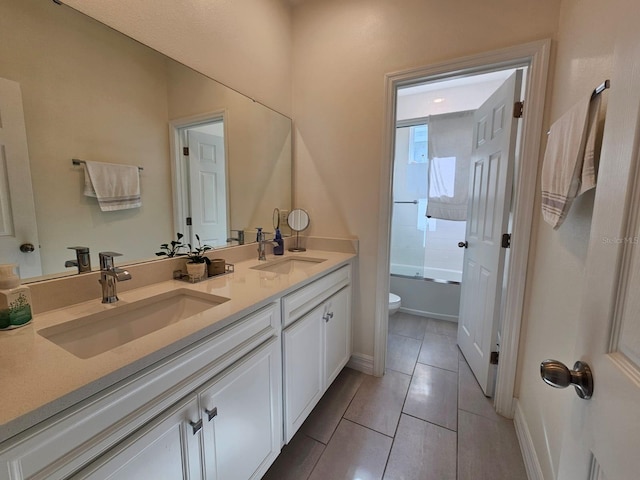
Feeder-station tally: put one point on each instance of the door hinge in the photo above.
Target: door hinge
(506, 240)
(185, 151)
(188, 220)
(518, 109)
(493, 359)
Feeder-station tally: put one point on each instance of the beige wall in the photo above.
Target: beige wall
(342, 51)
(584, 54)
(243, 44)
(258, 146)
(71, 72)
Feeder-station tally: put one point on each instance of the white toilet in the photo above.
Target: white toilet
(394, 303)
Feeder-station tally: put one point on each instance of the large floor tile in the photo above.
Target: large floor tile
(378, 403)
(296, 460)
(439, 351)
(488, 449)
(402, 353)
(324, 418)
(354, 452)
(470, 396)
(433, 396)
(422, 451)
(408, 325)
(442, 327)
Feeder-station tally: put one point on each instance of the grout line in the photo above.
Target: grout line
(431, 423)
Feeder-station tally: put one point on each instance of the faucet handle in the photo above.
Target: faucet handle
(110, 254)
(106, 259)
(79, 249)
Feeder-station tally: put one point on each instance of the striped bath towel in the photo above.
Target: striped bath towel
(116, 186)
(569, 167)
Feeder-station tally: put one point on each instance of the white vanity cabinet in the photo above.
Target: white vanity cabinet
(160, 423)
(168, 447)
(228, 429)
(316, 343)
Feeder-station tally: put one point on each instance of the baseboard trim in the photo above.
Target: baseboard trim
(437, 316)
(362, 363)
(531, 463)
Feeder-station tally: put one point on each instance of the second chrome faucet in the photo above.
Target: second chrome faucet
(110, 275)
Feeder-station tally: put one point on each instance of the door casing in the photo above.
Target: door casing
(535, 56)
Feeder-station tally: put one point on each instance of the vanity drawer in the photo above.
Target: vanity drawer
(296, 304)
(57, 447)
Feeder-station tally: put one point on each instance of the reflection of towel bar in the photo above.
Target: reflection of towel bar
(75, 161)
(597, 91)
(415, 202)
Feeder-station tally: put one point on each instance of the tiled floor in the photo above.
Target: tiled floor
(426, 419)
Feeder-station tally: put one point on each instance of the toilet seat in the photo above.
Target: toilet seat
(394, 299)
(394, 303)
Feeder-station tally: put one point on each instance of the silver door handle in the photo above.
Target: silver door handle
(27, 247)
(196, 426)
(558, 375)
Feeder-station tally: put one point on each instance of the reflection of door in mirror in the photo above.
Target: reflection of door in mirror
(206, 189)
(17, 210)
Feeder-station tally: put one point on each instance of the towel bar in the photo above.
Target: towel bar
(597, 91)
(75, 161)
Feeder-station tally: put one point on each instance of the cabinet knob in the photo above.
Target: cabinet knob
(211, 413)
(196, 426)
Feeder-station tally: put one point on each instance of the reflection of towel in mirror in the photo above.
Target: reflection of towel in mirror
(569, 167)
(117, 187)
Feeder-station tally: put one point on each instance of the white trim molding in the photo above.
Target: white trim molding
(362, 363)
(531, 463)
(535, 55)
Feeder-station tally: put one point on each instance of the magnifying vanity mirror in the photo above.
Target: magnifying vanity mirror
(298, 221)
(92, 93)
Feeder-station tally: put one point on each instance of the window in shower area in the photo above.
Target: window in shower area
(422, 247)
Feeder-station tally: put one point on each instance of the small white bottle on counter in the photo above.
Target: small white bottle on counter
(15, 299)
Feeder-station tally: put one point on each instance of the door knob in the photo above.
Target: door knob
(558, 375)
(463, 244)
(27, 247)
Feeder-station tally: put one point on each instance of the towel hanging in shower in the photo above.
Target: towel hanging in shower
(449, 158)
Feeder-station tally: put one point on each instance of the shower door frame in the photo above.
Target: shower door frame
(535, 56)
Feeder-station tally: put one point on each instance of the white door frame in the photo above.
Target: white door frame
(536, 56)
(178, 173)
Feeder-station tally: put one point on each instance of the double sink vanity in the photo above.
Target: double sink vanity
(176, 380)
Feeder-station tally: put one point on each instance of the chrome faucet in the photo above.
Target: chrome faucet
(110, 275)
(239, 238)
(82, 261)
(261, 238)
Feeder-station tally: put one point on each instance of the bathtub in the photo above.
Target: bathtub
(430, 292)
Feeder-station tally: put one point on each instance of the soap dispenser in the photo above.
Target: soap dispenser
(278, 249)
(15, 299)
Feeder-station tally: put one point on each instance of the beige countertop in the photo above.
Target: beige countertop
(39, 378)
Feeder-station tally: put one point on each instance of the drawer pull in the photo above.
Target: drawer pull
(196, 426)
(327, 316)
(211, 413)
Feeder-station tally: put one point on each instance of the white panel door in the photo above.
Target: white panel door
(168, 448)
(207, 188)
(242, 414)
(603, 434)
(337, 334)
(17, 209)
(303, 368)
(491, 172)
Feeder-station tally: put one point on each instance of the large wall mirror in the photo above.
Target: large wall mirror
(92, 93)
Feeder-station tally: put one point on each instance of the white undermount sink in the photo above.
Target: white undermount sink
(96, 333)
(289, 265)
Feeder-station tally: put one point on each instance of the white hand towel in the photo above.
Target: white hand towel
(117, 187)
(567, 163)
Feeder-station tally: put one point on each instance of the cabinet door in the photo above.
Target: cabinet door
(167, 448)
(303, 369)
(337, 334)
(242, 411)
